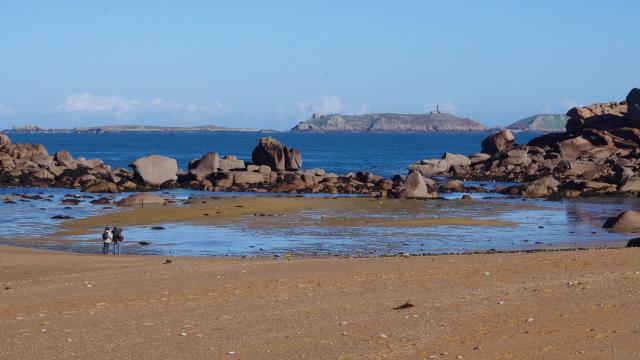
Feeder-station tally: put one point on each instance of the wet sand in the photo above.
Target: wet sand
(555, 305)
(335, 212)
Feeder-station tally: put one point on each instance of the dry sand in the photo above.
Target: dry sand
(559, 305)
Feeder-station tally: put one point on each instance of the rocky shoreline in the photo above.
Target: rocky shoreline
(597, 155)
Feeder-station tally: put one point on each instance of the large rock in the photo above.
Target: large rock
(631, 185)
(142, 200)
(292, 185)
(155, 170)
(627, 220)
(598, 186)
(292, 159)
(25, 151)
(230, 163)
(633, 107)
(497, 142)
(626, 137)
(95, 163)
(598, 137)
(431, 167)
(223, 179)
(247, 177)
(452, 186)
(622, 173)
(416, 187)
(313, 177)
(4, 140)
(102, 187)
(64, 158)
(635, 242)
(208, 164)
(573, 148)
(43, 160)
(272, 153)
(456, 159)
(479, 158)
(597, 116)
(570, 168)
(548, 140)
(542, 187)
(81, 162)
(41, 174)
(516, 157)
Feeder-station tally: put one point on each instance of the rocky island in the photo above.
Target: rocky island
(32, 129)
(541, 122)
(387, 122)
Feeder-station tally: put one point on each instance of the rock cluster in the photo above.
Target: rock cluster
(598, 154)
(31, 165)
(277, 168)
(274, 168)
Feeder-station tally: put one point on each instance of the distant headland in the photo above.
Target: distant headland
(388, 122)
(31, 129)
(541, 122)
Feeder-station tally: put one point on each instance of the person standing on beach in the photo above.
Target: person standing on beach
(107, 237)
(117, 238)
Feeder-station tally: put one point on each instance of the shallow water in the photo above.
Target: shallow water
(539, 224)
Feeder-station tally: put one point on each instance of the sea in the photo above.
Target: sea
(538, 223)
(384, 154)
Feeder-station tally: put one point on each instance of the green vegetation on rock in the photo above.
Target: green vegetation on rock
(541, 122)
(389, 123)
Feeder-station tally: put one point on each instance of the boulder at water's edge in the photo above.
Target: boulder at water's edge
(155, 170)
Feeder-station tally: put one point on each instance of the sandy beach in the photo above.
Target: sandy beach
(551, 305)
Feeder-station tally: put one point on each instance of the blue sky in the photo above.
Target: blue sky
(269, 64)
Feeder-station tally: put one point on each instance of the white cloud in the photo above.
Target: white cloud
(93, 103)
(325, 104)
(120, 108)
(161, 104)
(443, 106)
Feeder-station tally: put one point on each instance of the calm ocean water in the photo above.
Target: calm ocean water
(383, 154)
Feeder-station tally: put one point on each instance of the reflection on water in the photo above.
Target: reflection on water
(538, 224)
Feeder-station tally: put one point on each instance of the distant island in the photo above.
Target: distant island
(388, 122)
(31, 129)
(383, 122)
(541, 122)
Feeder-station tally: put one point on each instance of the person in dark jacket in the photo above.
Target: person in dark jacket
(117, 239)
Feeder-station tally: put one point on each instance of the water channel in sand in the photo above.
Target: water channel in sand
(318, 225)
